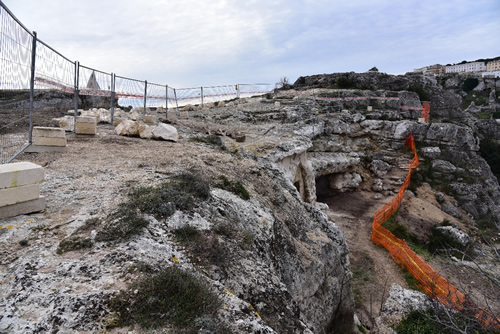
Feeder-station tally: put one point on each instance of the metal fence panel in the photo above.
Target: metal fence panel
(218, 93)
(129, 92)
(15, 67)
(248, 90)
(156, 96)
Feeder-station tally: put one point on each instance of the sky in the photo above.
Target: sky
(189, 43)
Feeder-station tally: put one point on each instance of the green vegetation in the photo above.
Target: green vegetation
(410, 280)
(470, 84)
(181, 192)
(211, 140)
(440, 321)
(236, 187)
(345, 83)
(204, 247)
(479, 99)
(73, 243)
(172, 296)
(422, 94)
(490, 151)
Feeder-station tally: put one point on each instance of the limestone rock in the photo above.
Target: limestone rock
(379, 167)
(67, 122)
(443, 166)
(450, 209)
(431, 152)
(398, 305)
(165, 132)
(455, 233)
(145, 131)
(343, 182)
(188, 107)
(127, 128)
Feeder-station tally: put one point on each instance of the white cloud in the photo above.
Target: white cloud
(193, 43)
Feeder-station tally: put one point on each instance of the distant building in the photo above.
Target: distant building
(492, 74)
(431, 70)
(477, 66)
(493, 66)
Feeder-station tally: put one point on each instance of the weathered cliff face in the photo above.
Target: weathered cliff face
(457, 127)
(273, 253)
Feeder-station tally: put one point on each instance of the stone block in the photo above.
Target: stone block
(183, 114)
(48, 141)
(9, 196)
(277, 104)
(150, 119)
(369, 108)
(86, 128)
(421, 120)
(171, 115)
(23, 208)
(118, 120)
(86, 119)
(39, 131)
(19, 174)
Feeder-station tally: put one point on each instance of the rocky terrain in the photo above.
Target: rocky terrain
(281, 232)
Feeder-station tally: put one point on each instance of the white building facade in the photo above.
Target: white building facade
(467, 67)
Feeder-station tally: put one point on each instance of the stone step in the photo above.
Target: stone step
(9, 196)
(19, 174)
(39, 131)
(50, 141)
(23, 208)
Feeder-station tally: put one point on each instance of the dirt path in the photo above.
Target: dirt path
(373, 268)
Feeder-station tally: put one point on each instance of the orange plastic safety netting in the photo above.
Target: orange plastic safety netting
(426, 110)
(430, 281)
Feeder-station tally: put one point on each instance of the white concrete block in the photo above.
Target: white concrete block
(39, 131)
(9, 196)
(23, 208)
(19, 174)
(48, 141)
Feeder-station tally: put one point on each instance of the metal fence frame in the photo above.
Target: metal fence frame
(49, 69)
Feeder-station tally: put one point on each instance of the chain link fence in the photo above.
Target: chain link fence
(37, 84)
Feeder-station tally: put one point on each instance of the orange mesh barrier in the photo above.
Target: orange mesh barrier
(430, 281)
(426, 110)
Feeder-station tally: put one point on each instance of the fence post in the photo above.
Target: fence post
(201, 97)
(166, 99)
(75, 98)
(112, 97)
(238, 90)
(145, 95)
(32, 85)
(176, 102)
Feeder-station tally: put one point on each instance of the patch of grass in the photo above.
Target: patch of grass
(72, 244)
(484, 115)
(211, 140)
(440, 240)
(247, 240)
(440, 321)
(181, 192)
(204, 247)
(234, 186)
(173, 296)
(489, 149)
(410, 280)
(470, 84)
(422, 94)
(122, 224)
(186, 233)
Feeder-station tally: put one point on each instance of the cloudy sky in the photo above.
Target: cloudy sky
(190, 43)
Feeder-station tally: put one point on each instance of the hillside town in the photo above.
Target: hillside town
(487, 68)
